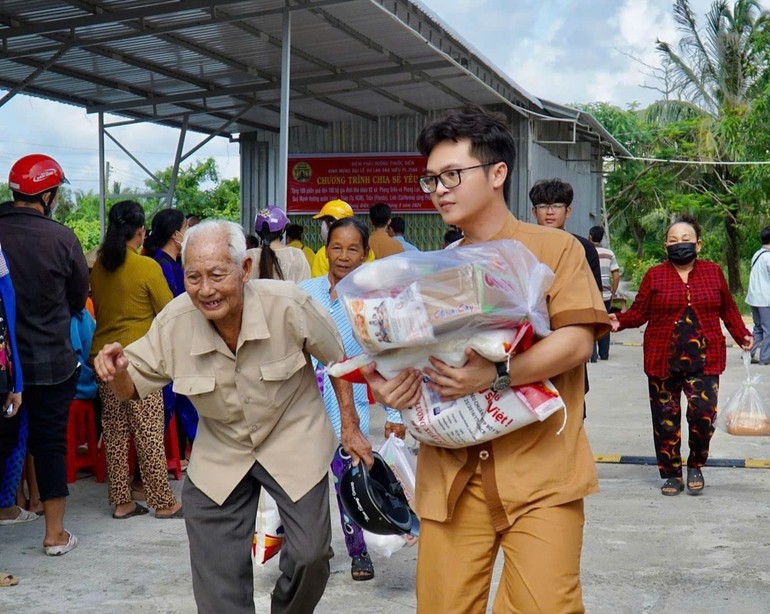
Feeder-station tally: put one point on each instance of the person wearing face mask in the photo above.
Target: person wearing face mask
(164, 244)
(682, 301)
(331, 212)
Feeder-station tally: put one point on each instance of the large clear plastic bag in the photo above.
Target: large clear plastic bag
(745, 412)
(474, 418)
(411, 299)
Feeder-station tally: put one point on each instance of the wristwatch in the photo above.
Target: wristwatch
(503, 379)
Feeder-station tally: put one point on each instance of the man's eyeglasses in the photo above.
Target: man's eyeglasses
(449, 179)
(552, 206)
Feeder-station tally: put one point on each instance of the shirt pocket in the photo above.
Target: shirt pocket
(282, 378)
(200, 390)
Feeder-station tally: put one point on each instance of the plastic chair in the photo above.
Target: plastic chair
(171, 441)
(81, 431)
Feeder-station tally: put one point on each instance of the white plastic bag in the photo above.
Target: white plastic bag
(386, 545)
(745, 413)
(409, 299)
(494, 345)
(402, 462)
(476, 417)
(268, 534)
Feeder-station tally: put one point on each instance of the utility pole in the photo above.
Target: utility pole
(107, 178)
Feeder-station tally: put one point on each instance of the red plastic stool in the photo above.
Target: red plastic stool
(81, 429)
(171, 441)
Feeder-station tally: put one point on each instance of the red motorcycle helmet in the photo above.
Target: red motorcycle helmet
(35, 174)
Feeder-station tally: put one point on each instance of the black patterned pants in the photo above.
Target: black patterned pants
(701, 392)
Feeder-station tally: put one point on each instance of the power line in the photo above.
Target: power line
(696, 162)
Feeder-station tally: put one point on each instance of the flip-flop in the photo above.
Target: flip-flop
(7, 579)
(139, 510)
(694, 474)
(24, 516)
(177, 514)
(72, 542)
(672, 487)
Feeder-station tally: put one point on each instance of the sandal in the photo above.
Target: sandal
(7, 579)
(361, 568)
(695, 476)
(672, 487)
(139, 510)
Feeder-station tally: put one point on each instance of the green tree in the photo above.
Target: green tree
(198, 191)
(715, 70)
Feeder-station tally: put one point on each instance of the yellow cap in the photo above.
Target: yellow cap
(337, 209)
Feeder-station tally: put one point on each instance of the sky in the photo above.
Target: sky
(566, 51)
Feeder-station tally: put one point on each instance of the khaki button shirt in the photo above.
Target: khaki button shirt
(260, 404)
(532, 467)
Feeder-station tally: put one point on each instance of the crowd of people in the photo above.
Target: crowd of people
(232, 337)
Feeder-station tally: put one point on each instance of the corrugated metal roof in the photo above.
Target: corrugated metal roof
(220, 61)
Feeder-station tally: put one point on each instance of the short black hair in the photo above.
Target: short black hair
(397, 225)
(355, 223)
(764, 235)
(596, 234)
(550, 191)
(379, 214)
(491, 141)
(252, 241)
(685, 218)
(294, 232)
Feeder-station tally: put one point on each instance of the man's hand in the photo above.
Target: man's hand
(357, 446)
(399, 430)
(12, 400)
(456, 382)
(111, 366)
(401, 392)
(110, 361)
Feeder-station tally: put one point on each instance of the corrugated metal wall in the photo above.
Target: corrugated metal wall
(574, 164)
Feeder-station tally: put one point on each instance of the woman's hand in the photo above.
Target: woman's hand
(12, 401)
(614, 322)
(748, 343)
(399, 430)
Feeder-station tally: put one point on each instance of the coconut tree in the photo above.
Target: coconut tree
(715, 67)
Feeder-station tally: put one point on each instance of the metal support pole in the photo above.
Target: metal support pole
(283, 135)
(102, 180)
(177, 160)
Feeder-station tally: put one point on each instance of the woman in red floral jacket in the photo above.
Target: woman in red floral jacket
(682, 301)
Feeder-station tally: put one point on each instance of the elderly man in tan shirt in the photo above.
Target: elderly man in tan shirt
(240, 350)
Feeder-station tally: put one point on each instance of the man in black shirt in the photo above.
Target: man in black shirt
(551, 205)
(50, 277)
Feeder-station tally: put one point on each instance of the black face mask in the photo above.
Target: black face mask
(681, 253)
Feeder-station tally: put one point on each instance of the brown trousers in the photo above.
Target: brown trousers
(142, 420)
(541, 572)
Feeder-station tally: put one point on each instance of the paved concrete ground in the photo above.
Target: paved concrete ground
(642, 553)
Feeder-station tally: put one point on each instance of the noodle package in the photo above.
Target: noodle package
(417, 298)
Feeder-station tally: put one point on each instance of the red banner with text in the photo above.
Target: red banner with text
(359, 180)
